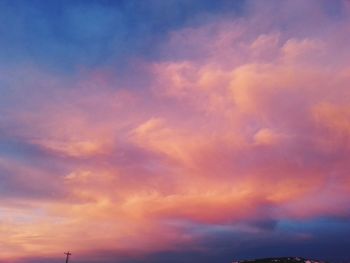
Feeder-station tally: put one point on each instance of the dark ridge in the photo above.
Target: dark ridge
(281, 260)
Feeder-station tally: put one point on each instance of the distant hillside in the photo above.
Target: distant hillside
(280, 260)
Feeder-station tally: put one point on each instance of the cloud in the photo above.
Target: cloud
(234, 127)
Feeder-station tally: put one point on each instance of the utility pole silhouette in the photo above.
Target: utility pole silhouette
(67, 255)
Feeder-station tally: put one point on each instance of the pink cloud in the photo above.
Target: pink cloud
(252, 125)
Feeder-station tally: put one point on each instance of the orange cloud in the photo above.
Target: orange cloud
(253, 127)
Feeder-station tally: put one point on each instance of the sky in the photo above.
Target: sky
(174, 131)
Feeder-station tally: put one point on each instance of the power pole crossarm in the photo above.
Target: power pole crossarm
(67, 255)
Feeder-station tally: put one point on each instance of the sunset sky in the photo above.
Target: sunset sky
(174, 131)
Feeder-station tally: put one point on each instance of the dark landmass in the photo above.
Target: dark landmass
(281, 260)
